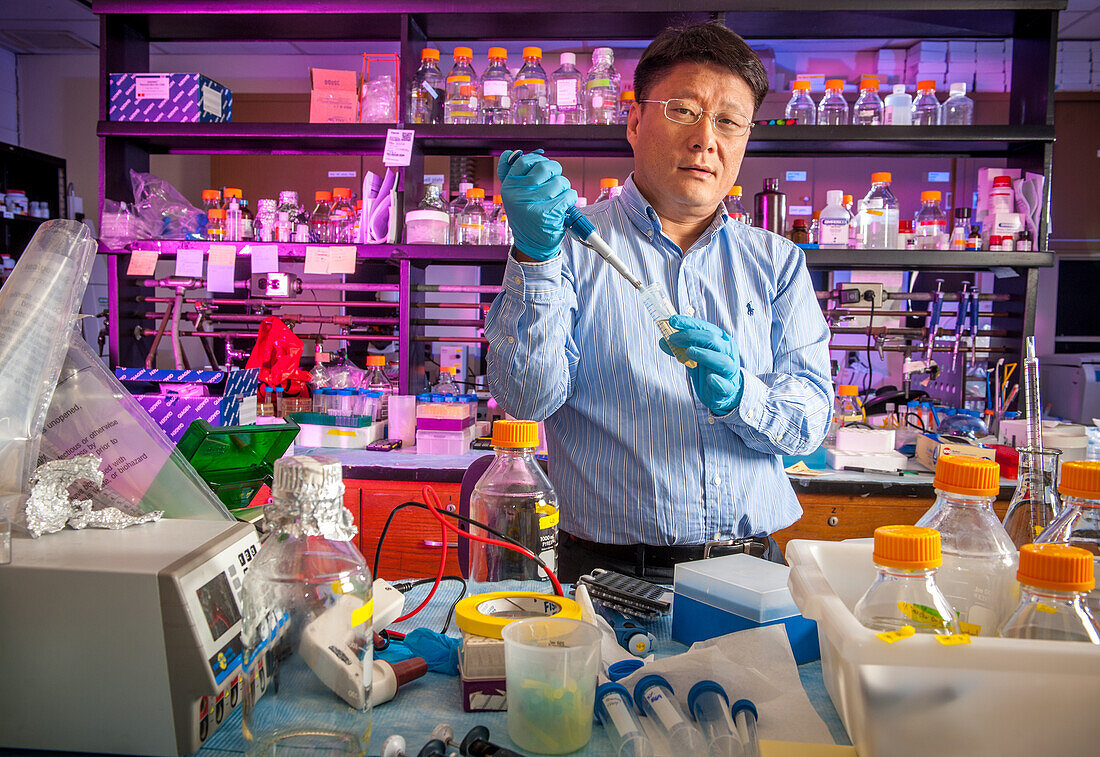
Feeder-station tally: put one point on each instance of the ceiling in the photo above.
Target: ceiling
(53, 27)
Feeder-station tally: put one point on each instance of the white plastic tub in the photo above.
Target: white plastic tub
(918, 697)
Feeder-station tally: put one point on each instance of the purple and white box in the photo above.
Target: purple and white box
(185, 98)
(184, 397)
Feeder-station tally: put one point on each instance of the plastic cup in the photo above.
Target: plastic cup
(402, 418)
(550, 668)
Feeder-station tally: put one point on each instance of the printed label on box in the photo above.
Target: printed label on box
(152, 87)
(399, 144)
(212, 101)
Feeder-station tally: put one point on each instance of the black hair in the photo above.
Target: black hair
(710, 43)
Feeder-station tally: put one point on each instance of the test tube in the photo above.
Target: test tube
(655, 698)
(278, 402)
(744, 717)
(317, 393)
(660, 310)
(615, 710)
(709, 705)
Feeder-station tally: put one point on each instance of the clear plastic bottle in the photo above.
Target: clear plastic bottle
(211, 198)
(566, 92)
(306, 627)
(498, 230)
(496, 89)
(1055, 580)
(516, 498)
(961, 230)
(284, 227)
(428, 86)
(978, 575)
(1034, 504)
(832, 110)
(770, 207)
(377, 381)
(801, 105)
(899, 107)
(868, 108)
(215, 225)
(926, 106)
(957, 109)
(606, 185)
(847, 409)
(904, 592)
(228, 194)
(462, 74)
(248, 225)
(463, 107)
(853, 222)
(320, 229)
(601, 88)
(529, 92)
(878, 215)
(454, 210)
(833, 222)
(930, 222)
(446, 383)
(626, 100)
(266, 217)
(471, 221)
(735, 207)
(342, 217)
(1079, 522)
(234, 221)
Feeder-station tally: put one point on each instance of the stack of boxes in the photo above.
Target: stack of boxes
(445, 423)
(991, 69)
(1074, 70)
(927, 60)
(962, 62)
(890, 66)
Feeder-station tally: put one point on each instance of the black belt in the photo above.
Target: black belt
(666, 557)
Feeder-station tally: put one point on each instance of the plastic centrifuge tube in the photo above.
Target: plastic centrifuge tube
(660, 310)
(709, 705)
(656, 699)
(615, 710)
(744, 717)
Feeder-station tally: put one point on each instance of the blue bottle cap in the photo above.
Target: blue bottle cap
(701, 688)
(278, 390)
(345, 392)
(644, 683)
(623, 668)
(744, 704)
(436, 397)
(424, 397)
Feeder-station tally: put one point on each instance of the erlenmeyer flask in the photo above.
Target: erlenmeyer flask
(1035, 501)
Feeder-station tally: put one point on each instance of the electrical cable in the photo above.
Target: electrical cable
(404, 586)
(442, 566)
(870, 366)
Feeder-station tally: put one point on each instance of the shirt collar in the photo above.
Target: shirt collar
(645, 218)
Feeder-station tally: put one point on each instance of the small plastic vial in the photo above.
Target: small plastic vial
(1078, 524)
(978, 575)
(1055, 580)
(654, 697)
(904, 592)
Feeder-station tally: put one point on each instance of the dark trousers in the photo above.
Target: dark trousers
(577, 557)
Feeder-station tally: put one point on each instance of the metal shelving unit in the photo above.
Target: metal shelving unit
(128, 27)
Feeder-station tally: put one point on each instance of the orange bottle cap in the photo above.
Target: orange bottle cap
(834, 84)
(216, 213)
(869, 82)
(429, 53)
(475, 192)
(966, 475)
(1080, 478)
(847, 199)
(341, 192)
(930, 195)
(211, 194)
(498, 199)
(1058, 567)
(800, 84)
(907, 547)
(232, 192)
(735, 190)
(515, 434)
(628, 96)
(463, 52)
(498, 52)
(532, 52)
(881, 176)
(847, 390)
(322, 196)
(926, 84)
(608, 183)
(376, 361)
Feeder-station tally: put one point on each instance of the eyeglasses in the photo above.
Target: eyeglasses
(688, 113)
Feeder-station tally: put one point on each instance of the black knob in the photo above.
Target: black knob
(434, 748)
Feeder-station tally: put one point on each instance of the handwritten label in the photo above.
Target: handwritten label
(189, 263)
(893, 636)
(341, 259)
(399, 145)
(952, 639)
(316, 259)
(265, 258)
(222, 254)
(143, 263)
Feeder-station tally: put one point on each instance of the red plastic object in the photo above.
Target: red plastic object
(1009, 460)
(277, 354)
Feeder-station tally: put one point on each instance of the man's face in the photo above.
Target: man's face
(685, 171)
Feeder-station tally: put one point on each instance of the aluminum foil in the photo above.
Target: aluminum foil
(49, 506)
(308, 490)
(108, 517)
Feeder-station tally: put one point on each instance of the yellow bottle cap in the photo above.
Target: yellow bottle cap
(498, 52)
(735, 190)
(532, 52)
(1080, 478)
(463, 52)
(966, 475)
(885, 176)
(376, 361)
(608, 183)
(847, 390)
(475, 192)
(322, 195)
(800, 84)
(1058, 567)
(429, 53)
(907, 547)
(341, 192)
(515, 434)
(930, 195)
(232, 192)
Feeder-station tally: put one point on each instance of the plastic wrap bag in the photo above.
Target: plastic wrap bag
(92, 413)
(278, 353)
(121, 225)
(39, 302)
(166, 213)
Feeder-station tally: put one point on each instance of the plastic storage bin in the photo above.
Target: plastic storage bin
(990, 697)
(726, 594)
(444, 442)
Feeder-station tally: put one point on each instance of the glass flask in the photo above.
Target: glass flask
(496, 89)
(1078, 524)
(306, 632)
(978, 575)
(1034, 504)
(515, 498)
(904, 592)
(1054, 581)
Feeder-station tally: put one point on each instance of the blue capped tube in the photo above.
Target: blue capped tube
(615, 710)
(744, 717)
(709, 705)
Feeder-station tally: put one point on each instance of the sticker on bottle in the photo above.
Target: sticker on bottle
(619, 714)
(494, 88)
(1046, 608)
(893, 636)
(594, 83)
(458, 78)
(922, 615)
(567, 93)
(662, 708)
(952, 639)
(362, 614)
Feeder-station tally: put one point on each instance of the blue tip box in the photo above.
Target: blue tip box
(725, 594)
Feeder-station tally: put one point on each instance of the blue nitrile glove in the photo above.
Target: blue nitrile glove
(717, 377)
(536, 197)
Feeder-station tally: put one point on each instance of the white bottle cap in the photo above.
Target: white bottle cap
(463, 186)
(958, 88)
(899, 89)
(570, 58)
(834, 197)
(582, 202)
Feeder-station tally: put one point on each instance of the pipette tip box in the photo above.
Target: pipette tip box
(725, 594)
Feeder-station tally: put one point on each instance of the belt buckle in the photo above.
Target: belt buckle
(749, 545)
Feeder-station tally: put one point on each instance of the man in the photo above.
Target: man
(652, 460)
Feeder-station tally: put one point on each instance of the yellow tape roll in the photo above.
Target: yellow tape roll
(487, 614)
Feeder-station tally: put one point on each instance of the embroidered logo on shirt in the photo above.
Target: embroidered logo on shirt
(749, 309)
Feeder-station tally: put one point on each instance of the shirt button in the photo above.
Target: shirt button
(518, 280)
(689, 311)
(710, 419)
(511, 340)
(717, 480)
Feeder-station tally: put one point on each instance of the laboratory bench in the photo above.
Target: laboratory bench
(836, 505)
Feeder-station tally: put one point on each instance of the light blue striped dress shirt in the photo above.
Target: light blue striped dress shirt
(634, 456)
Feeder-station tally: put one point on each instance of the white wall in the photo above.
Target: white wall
(9, 99)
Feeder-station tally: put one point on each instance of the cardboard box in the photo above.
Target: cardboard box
(184, 397)
(930, 447)
(333, 96)
(186, 98)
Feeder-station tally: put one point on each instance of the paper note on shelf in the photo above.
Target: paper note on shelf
(143, 263)
(398, 150)
(222, 255)
(316, 259)
(189, 263)
(265, 258)
(219, 278)
(341, 259)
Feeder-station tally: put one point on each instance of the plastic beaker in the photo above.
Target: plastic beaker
(550, 669)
